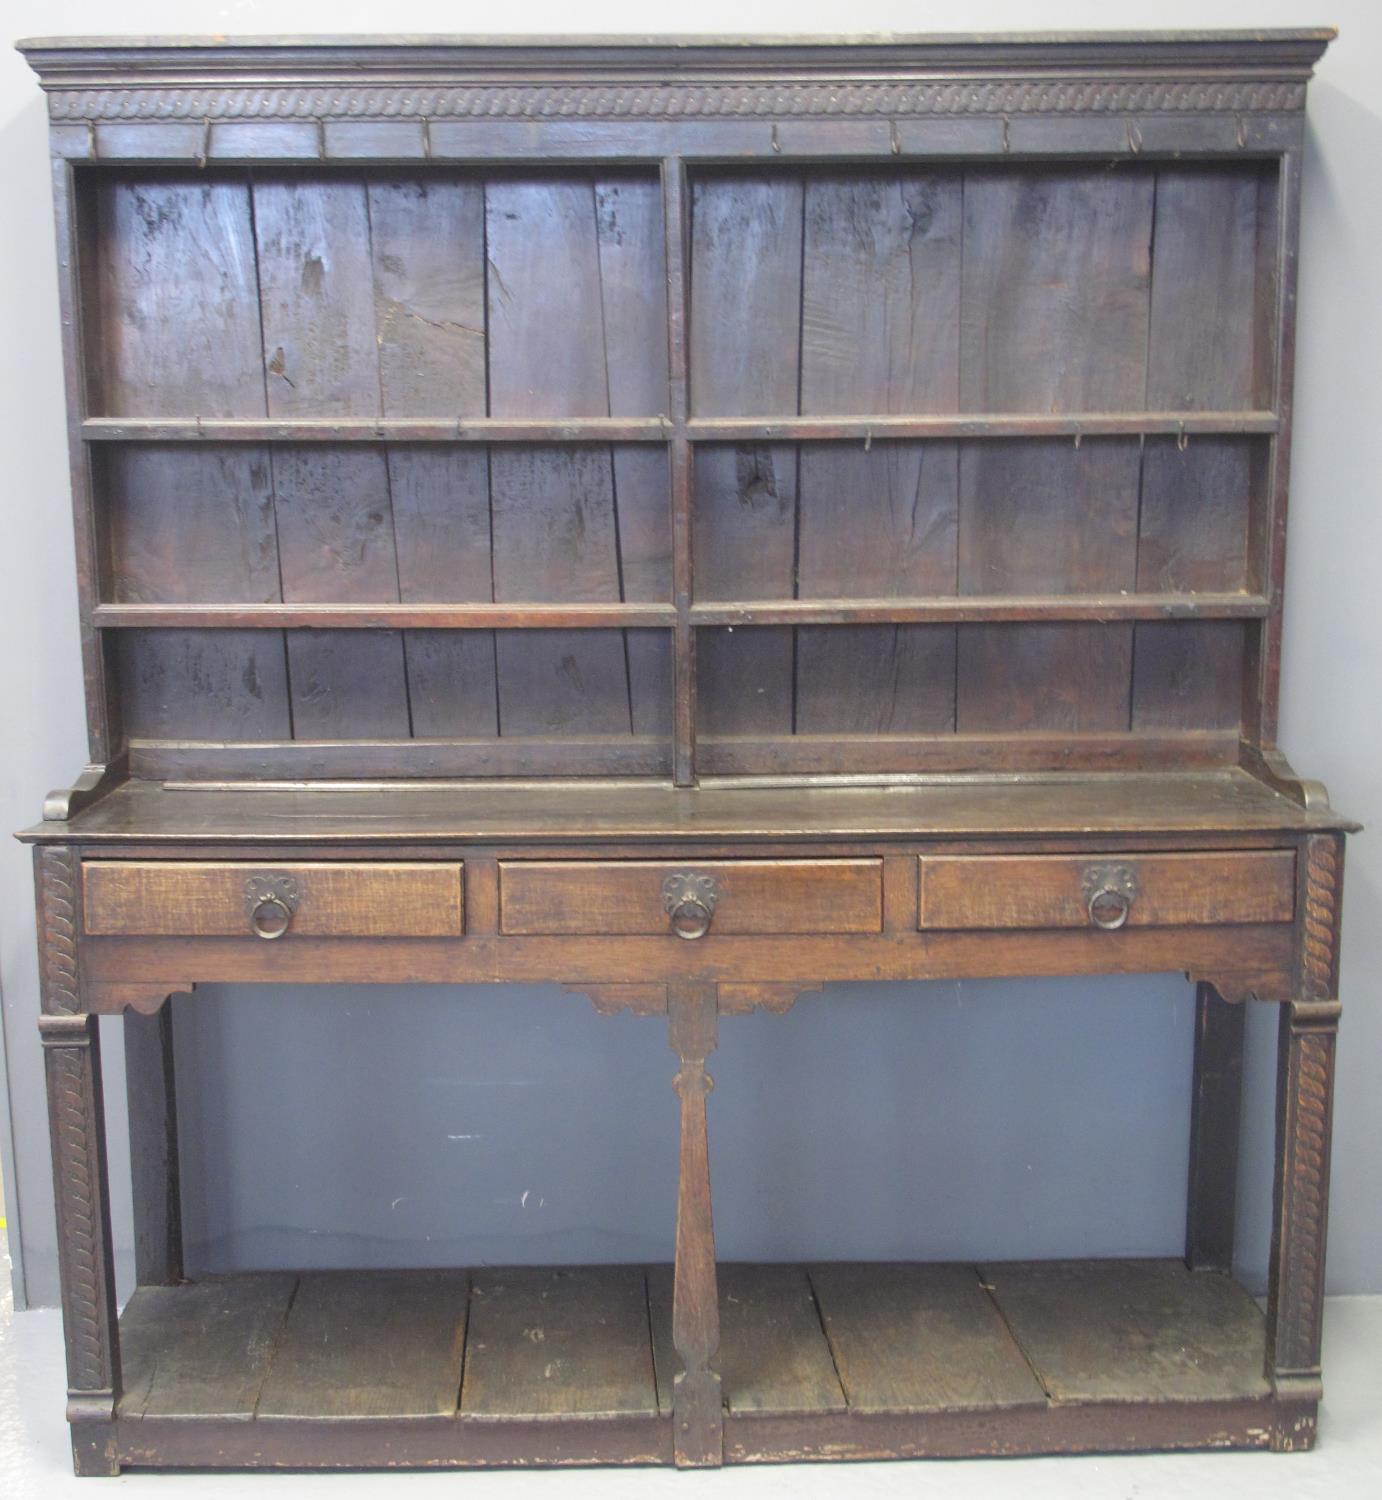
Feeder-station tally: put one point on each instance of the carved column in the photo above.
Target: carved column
(72, 1055)
(1305, 1098)
(697, 1418)
(1215, 1112)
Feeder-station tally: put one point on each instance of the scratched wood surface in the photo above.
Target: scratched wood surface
(596, 1341)
(558, 1341)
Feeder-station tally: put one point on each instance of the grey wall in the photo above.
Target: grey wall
(348, 1126)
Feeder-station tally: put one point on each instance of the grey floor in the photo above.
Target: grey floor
(34, 1458)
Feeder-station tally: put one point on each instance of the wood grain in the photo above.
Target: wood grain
(207, 899)
(201, 1349)
(1132, 1331)
(919, 1338)
(369, 1344)
(549, 1342)
(1205, 293)
(1057, 273)
(555, 897)
(175, 298)
(1015, 891)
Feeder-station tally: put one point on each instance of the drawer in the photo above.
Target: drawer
(726, 897)
(1109, 891)
(167, 898)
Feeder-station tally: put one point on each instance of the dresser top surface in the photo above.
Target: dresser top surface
(1176, 802)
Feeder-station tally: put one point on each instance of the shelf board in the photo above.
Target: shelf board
(982, 609)
(376, 429)
(383, 616)
(659, 429)
(983, 425)
(842, 1360)
(974, 609)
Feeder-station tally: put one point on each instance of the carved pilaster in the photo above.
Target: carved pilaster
(1301, 1200)
(1322, 880)
(55, 883)
(76, 1121)
(1305, 1104)
(697, 1417)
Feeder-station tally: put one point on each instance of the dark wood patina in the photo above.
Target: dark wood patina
(689, 520)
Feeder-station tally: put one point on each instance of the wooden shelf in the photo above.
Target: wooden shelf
(660, 428)
(983, 425)
(577, 1364)
(375, 430)
(383, 616)
(976, 608)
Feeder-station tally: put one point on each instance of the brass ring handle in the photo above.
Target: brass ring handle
(1109, 908)
(691, 918)
(270, 917)
(689, 899)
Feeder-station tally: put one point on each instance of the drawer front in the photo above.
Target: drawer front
(234, 899)
(1109, 891)
(634, 898)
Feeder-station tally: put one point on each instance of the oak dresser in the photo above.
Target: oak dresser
(693, 521)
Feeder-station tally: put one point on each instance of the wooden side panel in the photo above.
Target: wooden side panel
(920, 1338)
(746, 274)
(335, 525)
(1204, 309)
(1046, 517)
(746, 288)
(556, 516)
(1193, 529)
(880, 308)
(175, 299)
(1188, 674)
(155, 898)
(1057, 269)
(546, 1342)
(335, 517)
(880, 333)
(1209, 349)
(555, 538)
(188, 525)
(370, 1344)
(633, 282)
(744, 530)
(1049, 890)
(201, 1349)
(427, 239)
(348, 686)
(1149, 1330)
(427, 245)
(538, 897)
(317, 294)
(202, 684)
(875, 679)
(773, 1355)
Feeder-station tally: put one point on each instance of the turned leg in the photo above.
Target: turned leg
(72, 1058)
(697, 1418)
(1217, 1097)
(153, 1147)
